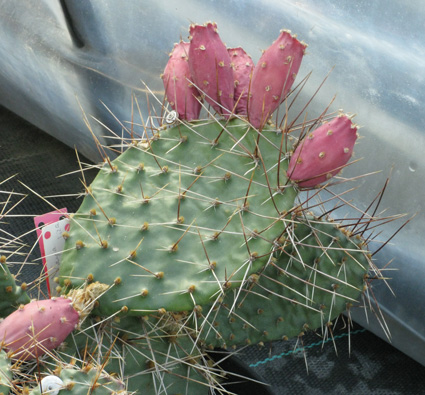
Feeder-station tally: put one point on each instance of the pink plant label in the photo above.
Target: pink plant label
(50, 228)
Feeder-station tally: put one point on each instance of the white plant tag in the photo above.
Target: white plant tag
(53, 247)
(49, 228)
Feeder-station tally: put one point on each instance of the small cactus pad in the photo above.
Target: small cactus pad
(319, 274)
(85, 381)
(180, 217)
(11, 294)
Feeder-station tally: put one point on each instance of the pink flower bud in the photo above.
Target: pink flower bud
(180, 92)
(242, 66)
(273, 77)
(323, 152)
(37, 327)
(209, 65)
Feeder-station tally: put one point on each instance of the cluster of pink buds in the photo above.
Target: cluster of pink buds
(227, 78)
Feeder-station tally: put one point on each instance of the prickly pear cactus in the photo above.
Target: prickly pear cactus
(194, 237)
(185, 214)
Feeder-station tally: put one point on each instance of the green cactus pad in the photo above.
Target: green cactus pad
(319, 274)
(5, 373)
(162, 359)
(181, 217)
(155, 354)
(11, 294)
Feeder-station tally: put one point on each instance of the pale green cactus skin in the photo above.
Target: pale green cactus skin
(5, 373)
(192, 211)
(319, 274)
(11, 294)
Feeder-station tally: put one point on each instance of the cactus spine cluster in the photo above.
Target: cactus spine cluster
(193, 238)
